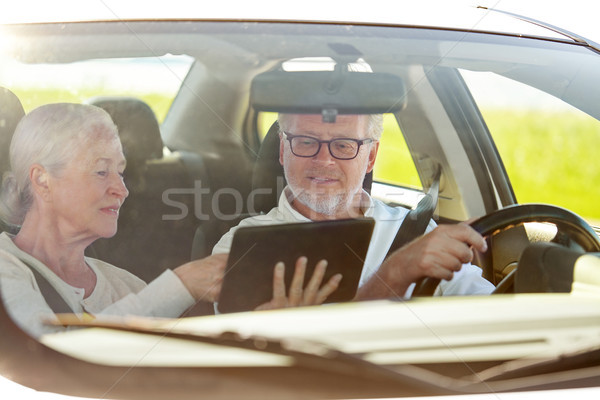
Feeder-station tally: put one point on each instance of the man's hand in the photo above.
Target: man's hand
(203, 278)
(438, 254)
(313, 294)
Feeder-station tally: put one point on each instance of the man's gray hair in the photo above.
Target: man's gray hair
(374, 124)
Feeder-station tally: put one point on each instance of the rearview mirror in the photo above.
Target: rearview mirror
(327, 92)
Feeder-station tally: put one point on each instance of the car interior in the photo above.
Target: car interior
(181, 172)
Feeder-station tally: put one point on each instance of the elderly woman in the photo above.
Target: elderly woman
(64, 192)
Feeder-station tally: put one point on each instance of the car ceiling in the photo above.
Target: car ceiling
(261, 46)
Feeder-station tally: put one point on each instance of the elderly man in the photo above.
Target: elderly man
(325, 164)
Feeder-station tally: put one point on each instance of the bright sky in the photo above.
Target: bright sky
(579, 16)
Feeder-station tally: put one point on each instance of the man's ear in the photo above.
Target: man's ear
(281, 143)
(372, 156)
(39, 181)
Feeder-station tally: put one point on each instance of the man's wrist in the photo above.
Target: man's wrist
(386, 283)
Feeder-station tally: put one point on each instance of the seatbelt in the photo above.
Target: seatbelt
(51, 295)
(416, 221)
(414, 225)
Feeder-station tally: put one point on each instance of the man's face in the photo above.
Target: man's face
(322, 184)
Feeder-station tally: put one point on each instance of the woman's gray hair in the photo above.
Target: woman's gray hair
(49, 136)
(374, 124)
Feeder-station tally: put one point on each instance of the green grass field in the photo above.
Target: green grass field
(32, 98)
(550, 158)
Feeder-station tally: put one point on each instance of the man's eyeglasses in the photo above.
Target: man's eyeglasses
(308, 146)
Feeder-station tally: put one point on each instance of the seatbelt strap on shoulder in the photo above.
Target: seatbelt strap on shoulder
(51, 295)
(416, 221)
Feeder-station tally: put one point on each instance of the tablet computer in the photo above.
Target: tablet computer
(255, 250)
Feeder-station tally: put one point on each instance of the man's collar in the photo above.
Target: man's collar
(285, 203)
(367, 204)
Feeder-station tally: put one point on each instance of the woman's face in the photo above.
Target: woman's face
(87, 194)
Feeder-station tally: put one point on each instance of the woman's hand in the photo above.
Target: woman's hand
(204, 278)
(313, 294)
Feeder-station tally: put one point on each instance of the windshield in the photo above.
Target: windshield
(224, 125)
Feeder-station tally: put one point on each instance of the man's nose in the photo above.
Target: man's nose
(324, 155)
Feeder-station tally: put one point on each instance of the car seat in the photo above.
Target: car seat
(152, 235)
(11, 112)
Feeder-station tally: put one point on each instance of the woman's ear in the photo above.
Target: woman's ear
(39, 181)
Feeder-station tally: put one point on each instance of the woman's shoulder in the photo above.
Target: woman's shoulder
(6, 242)
(14, 262)
(12, 267)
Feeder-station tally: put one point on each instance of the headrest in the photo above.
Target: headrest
(11, 112)
(138, 127)
(268, 172)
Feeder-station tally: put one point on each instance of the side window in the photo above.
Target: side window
(265, 120)
(155, 80)
(548, 147)
(394, 163)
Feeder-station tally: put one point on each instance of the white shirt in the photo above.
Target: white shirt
(467, 281)
(117, 291)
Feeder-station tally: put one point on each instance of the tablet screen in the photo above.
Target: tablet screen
(255, 250)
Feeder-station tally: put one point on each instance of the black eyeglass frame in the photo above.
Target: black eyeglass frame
(359, 142)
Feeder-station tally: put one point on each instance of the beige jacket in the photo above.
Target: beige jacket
(117, 292)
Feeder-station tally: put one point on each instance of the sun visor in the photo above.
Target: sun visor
(327, 92)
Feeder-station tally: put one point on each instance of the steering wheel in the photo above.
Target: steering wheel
(567, 223)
